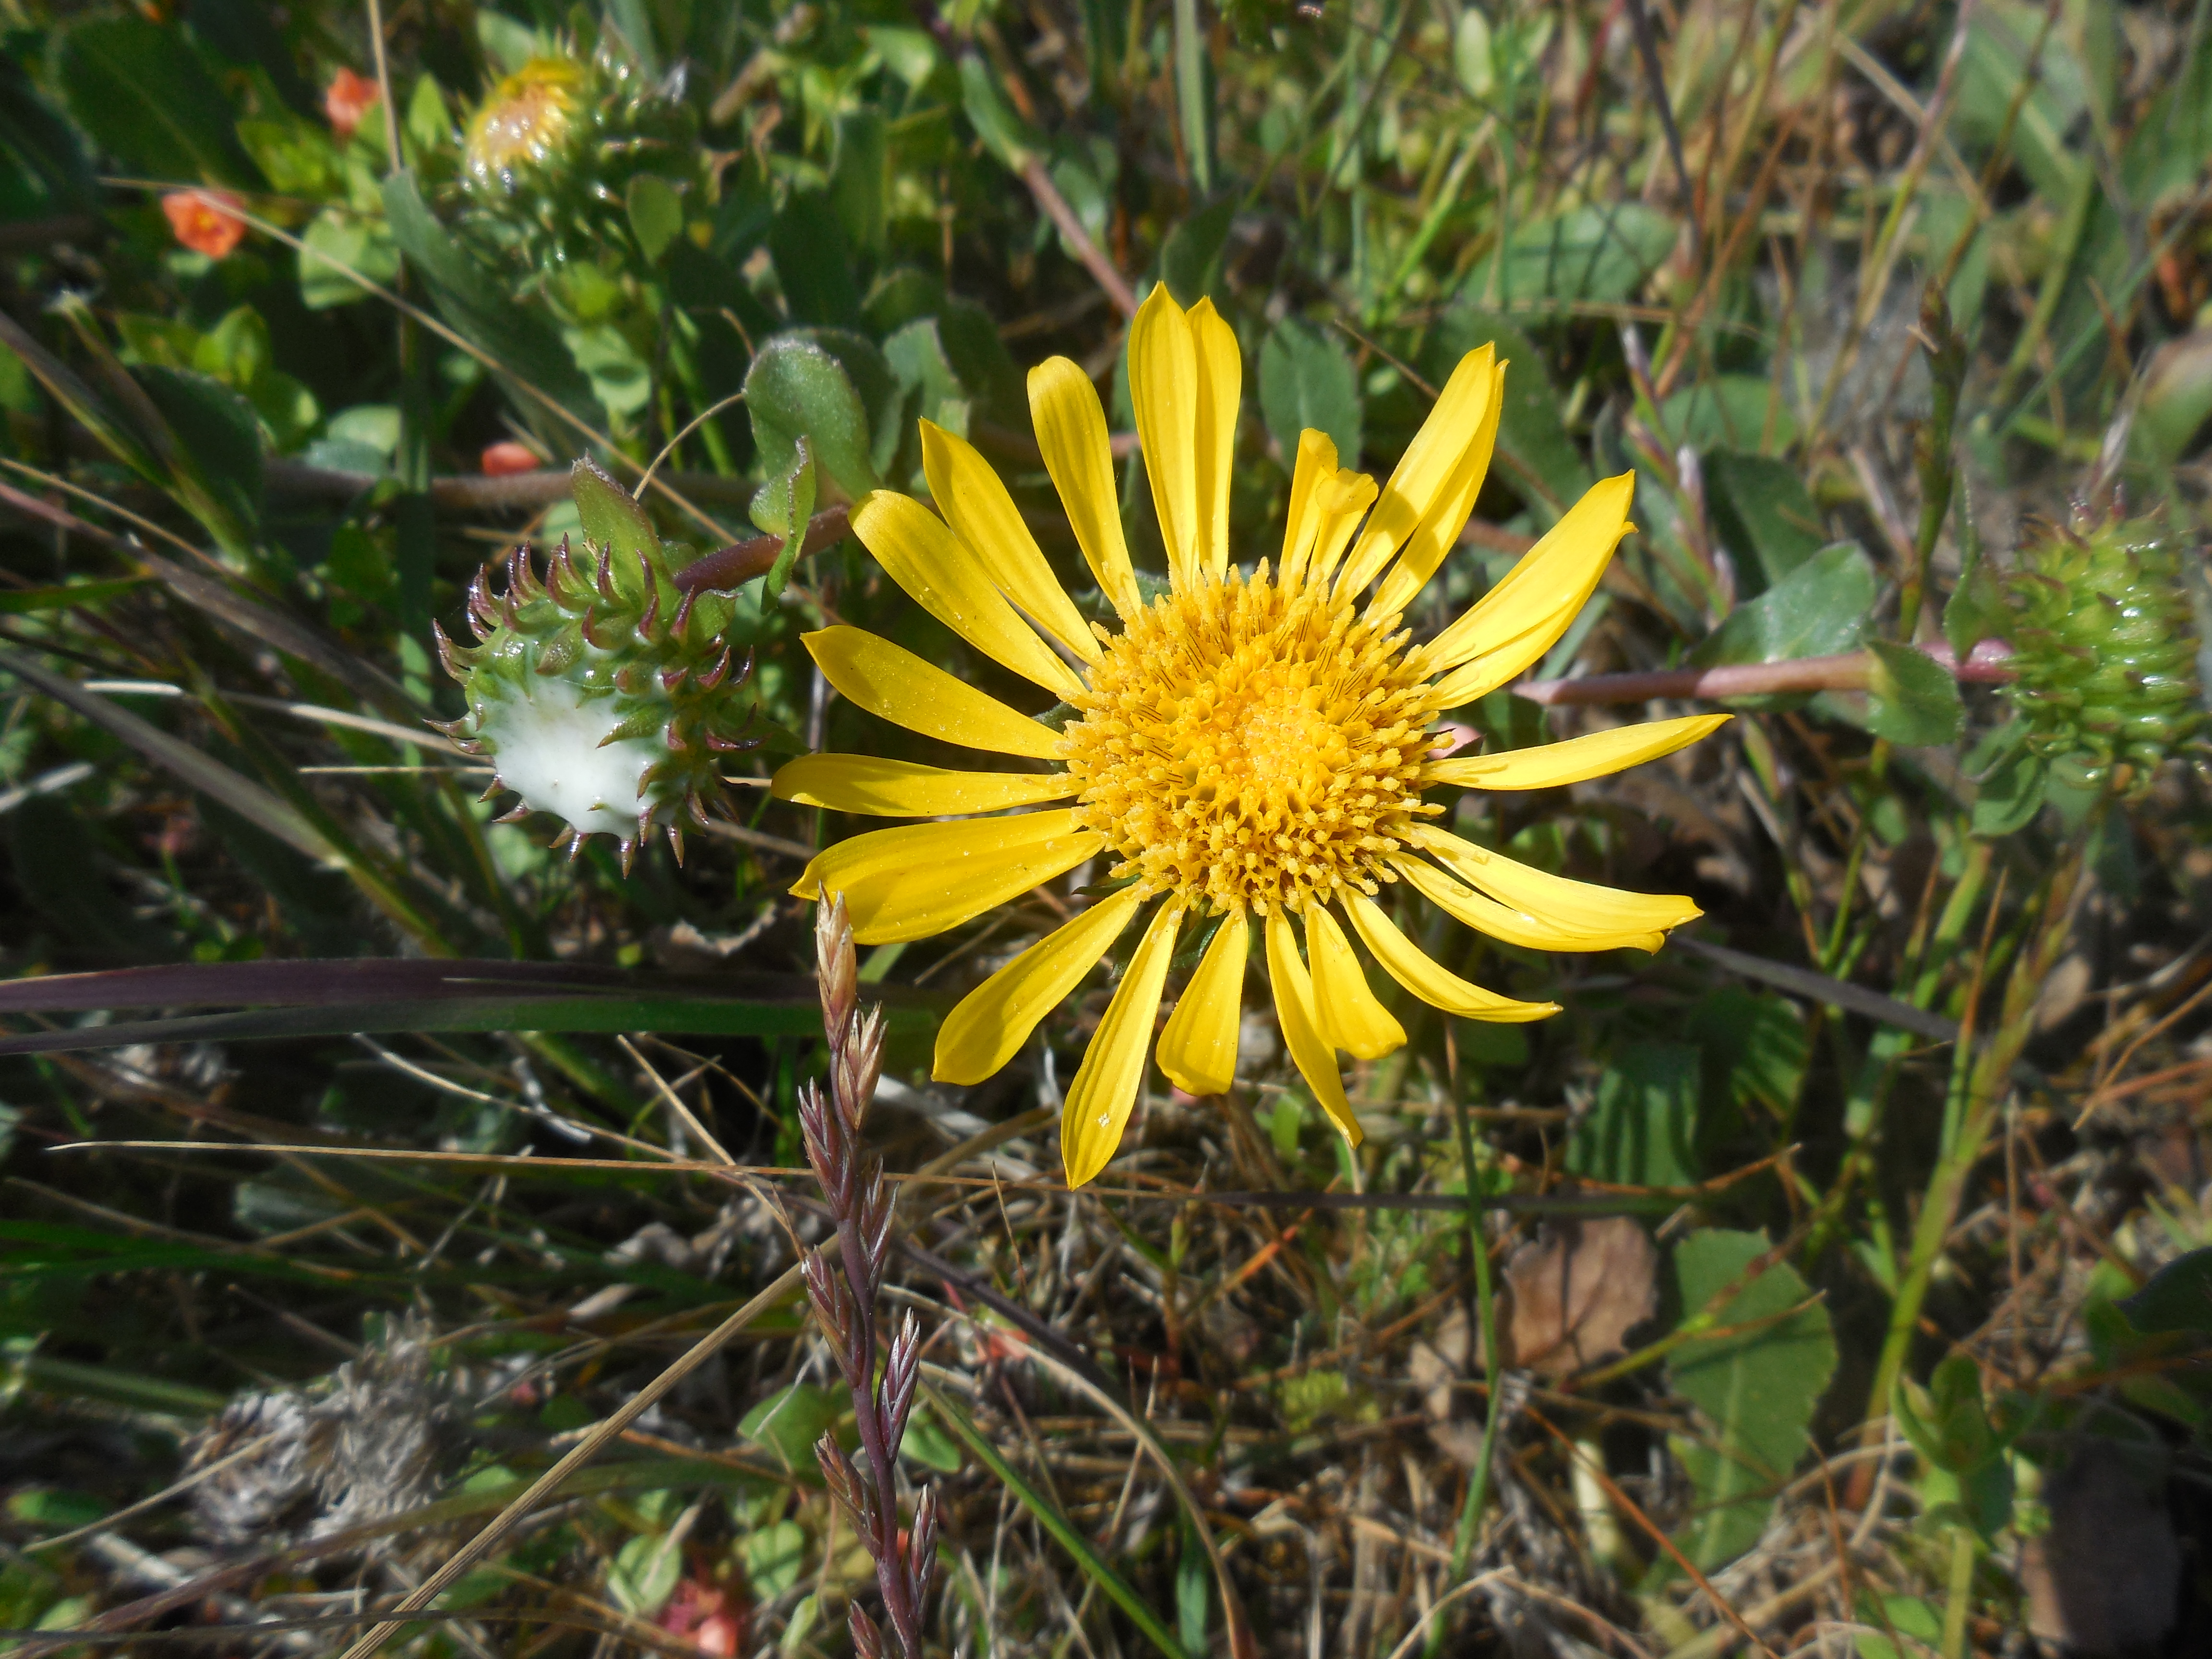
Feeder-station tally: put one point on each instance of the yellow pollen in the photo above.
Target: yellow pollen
(1251, 747)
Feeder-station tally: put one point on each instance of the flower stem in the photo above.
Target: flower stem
(1850, 671)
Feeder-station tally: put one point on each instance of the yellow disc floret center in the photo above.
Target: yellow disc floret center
(1251, 747)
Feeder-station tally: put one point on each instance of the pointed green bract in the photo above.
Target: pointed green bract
(600, 692)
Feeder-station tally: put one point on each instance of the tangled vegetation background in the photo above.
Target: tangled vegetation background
(368, 1161)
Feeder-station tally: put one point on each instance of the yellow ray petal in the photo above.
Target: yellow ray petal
(1487, 915)
(901, 789)
(1594, 755)
(994, 1020)
(1425, 484)
(1412, 968)
(1575, 907)
(1438, 532)
(1070, 430)
(1294, 1007)
(1523, 617)
(1105, 1085)
(923, 555)
(1350, 1015)
(1316, 466)
(1163, 388)
(891, 681)
(1220, 384)
(1344, 499)
(922, 879)
(1198, 1046)
(983, 515)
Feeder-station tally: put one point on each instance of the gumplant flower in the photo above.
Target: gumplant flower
(348, 98)
(1249, 752)
(203, 221)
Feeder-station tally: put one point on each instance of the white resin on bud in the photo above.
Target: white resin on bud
(544, 739)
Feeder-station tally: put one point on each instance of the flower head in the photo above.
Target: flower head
(527, 120)
(203, 221)
(1249, 750)
(2104, 645)
(349, 98)
(599, 692)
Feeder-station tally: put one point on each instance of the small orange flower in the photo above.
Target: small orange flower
(203, 222)
(506, 458)
(350, 97)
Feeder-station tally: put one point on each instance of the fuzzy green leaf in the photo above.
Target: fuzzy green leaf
(796, 506)
(1307, 379)
(1756, 1380)
(796, 389)
(1911, 699)
(656, 213)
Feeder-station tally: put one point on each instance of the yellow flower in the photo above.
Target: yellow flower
(1245, 747)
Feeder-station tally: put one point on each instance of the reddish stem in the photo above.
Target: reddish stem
(1851, 671)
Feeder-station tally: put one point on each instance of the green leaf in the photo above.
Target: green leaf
(1756, 1380)
(1765, 517)
(1818, 610)
(610, 516)
(814, 262)
(1193, 1591)
(1977, 609)
(790, 1420)
(1755, 1046)
(2179, 1297)
(298, 159)
(796, 389)
(1730, 411)
(656, 213)
(1307, 379)
(339, 241)
(1004, 133)
(36, 135)
(1592, 253)
(925, 1443)
(142, 92)
(475, 300)
(643, 1574)
(1912, 699)
(2009, 799)
(792, 500)
(2177, 401)
(775, 1557)
(859, 179)
(218, 431)
(621, 379)
(1643, 1129)
(1472, 61)
(1190, 258)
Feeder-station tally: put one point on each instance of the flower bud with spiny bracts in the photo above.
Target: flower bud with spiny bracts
(600, 691)
(548, 156)
(2103, 642)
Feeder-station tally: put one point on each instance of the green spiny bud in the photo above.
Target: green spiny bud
(2104, 644)
(548, 156)
(601, 692)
